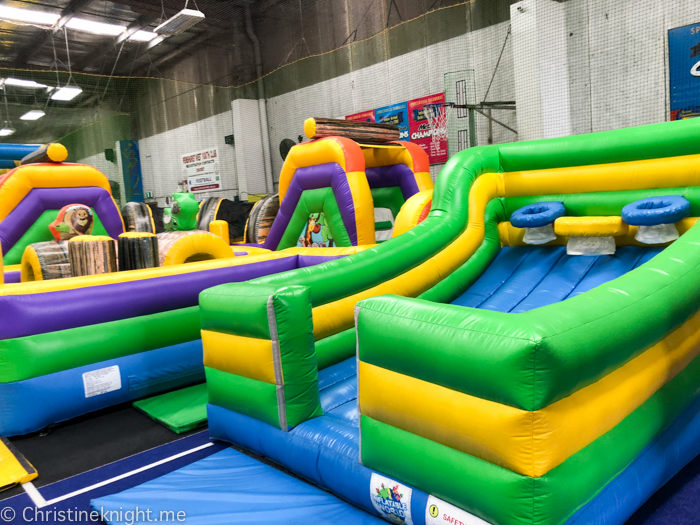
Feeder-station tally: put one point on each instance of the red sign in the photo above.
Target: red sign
(419, 128)
(365, 116)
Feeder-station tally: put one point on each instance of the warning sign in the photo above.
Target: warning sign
(439, 512)
(101, 381)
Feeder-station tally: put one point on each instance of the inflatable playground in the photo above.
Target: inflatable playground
(517, 345)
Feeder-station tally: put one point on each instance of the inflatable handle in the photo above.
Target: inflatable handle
(537, 215)
(656, 210)
(48, 153)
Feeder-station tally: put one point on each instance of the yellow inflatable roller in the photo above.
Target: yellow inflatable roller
(193, 246)
(43, 261)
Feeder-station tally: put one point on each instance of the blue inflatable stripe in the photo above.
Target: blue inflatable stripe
(30, 405)
(654, 467)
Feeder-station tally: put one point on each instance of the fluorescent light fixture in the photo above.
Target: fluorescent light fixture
(180, 22)
(66, 93)
(6, 130)
(34, 114)
(143, 36)
(22, 83)
(28, 15)
(98, 28)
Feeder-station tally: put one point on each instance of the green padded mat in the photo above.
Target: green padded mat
(180, 410)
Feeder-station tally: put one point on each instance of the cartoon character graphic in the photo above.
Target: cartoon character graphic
(389, 493)
(72, 220)
(316, 233)
(182, 215)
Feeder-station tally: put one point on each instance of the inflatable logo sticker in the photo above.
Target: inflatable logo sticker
(391, 499)
(72, 220)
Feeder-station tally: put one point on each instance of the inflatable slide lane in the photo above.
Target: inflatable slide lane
(527, 354)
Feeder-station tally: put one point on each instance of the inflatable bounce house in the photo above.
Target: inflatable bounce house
(130, 323)
(528, 354)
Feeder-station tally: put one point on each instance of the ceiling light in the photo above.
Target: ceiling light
(34, 114)
(28, 15)
(180, 22)
(143, 36)
(66, 93)
(6, 130)
(98, 28)
(22, 83)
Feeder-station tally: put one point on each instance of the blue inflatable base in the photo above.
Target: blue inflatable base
(228, 488)
(30, 405)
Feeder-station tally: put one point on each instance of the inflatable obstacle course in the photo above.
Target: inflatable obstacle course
(567, 356)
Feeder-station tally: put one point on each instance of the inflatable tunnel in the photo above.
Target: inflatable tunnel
(499, 381)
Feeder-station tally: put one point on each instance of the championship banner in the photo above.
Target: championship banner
(684, 69)
(419, 128)
(396, 114)
(365, 116)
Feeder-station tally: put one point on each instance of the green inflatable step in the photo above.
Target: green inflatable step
(180, 410)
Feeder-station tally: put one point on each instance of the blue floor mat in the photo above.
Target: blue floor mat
(230, 487)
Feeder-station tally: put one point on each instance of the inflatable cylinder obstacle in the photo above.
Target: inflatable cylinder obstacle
(137, 250)
(316, 128)
(192, 246)
(48, 153)
(43, 261)
(92, 255)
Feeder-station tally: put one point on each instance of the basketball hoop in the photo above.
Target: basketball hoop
(438, 116)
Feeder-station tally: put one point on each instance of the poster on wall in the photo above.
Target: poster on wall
(201, 170)
(419, 128)
(684, 71)
(396, 114)
(412, 122)
(365, 116)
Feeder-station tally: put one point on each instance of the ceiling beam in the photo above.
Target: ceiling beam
(108, 45)
(178, 51)
(26, 54)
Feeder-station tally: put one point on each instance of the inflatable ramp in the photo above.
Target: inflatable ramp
(180, 410)
(228, 488)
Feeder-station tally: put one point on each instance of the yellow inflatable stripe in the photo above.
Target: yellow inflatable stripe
(671, 172)
(337, 316)
(364, 207)
(243, 356)
(410, 212)
(424, 181)
(591, 226)
(31, 176)
(133, 275)
(14, 468)
(512, 236)
(326, 252)
(529, 443)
